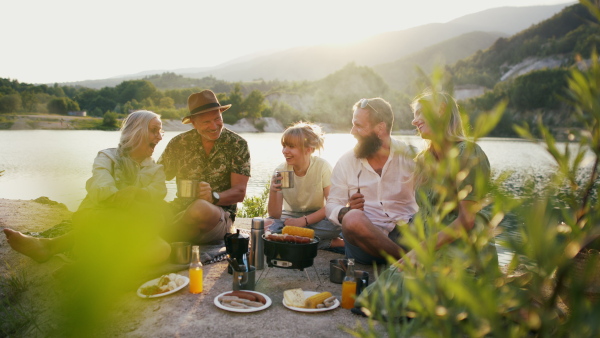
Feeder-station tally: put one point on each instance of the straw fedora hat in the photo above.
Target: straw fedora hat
(202, 102)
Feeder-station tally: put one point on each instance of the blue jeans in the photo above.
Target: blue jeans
(324, 229)
(362, 257)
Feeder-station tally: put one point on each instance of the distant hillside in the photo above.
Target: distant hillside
(529, 71)
(113, 81)
(316, 62)
(401, 73)
(560, 38)
(508, 20)
(330, 99)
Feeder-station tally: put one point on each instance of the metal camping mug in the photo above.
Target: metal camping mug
(187, 188)
(287, 178)
(337, 273)
(244, 280)
(181, 252)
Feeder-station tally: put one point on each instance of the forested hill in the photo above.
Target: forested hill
(563, 36)
(402, 73)
(530, 71)
(508, 70)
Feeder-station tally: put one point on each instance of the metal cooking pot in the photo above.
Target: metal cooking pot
(290, 255)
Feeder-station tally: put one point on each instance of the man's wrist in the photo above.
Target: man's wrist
(215, 197)
(342, 213)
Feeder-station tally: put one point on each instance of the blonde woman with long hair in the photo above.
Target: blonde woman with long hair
(451, 171)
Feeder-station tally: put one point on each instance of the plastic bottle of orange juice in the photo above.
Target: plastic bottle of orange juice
(349, 286)
(195, 271)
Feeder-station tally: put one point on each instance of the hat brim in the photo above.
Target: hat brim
(188, 119)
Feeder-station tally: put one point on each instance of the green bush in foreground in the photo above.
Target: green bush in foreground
(559, 222)
(255, 206)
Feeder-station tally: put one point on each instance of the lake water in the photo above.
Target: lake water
(56, 164)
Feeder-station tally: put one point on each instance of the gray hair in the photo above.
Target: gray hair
(134, 130)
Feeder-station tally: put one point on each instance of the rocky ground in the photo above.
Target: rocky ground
(180, 314)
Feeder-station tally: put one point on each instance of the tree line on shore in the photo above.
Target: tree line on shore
(569, 36)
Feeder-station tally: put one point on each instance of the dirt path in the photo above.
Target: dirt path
(21, 123)
(28, 122)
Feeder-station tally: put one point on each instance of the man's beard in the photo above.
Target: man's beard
(367, 145)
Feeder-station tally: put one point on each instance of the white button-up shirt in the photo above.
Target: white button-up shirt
(388, 198)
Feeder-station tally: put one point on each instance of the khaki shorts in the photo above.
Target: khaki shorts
(224, 226)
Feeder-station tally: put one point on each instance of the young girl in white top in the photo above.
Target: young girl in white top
(304, 204)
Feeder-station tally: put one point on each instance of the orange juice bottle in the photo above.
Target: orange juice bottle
(349, 286)
(195, 271)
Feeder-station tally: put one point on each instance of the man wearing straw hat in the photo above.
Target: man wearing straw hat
(217, 161)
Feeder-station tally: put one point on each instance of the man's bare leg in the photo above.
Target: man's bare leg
(39, 249)
(359, 231)
(337, 243)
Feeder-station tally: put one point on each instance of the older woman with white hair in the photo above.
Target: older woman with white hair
(125, 180)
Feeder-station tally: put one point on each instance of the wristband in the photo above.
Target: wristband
(306, 220)
(342, 213)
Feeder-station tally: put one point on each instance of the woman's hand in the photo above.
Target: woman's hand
(409, 258)
(297, 222)
(275, 183)
(124, 197)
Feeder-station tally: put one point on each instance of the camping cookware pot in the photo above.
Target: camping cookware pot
(236, 246)
(290, 255)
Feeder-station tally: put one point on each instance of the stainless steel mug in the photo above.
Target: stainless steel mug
(244, 280)
(187, 188)
(181, 252)
(337, 272)
(287, 178)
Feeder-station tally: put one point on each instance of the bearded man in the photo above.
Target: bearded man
(371, 187)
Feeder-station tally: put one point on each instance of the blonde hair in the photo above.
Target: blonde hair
(134, 130)
(453, 132)
(305, 135)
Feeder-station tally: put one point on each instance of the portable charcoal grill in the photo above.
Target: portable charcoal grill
(290, 255)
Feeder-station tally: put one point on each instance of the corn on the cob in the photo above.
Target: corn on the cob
(298, 231)
(312, 301)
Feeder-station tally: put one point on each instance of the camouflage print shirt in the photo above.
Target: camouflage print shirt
(185, 158)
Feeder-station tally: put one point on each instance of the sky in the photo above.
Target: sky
(73, 40)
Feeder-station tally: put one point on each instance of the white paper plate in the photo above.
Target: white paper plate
(155, 282)
(306, 295)
(232, 309)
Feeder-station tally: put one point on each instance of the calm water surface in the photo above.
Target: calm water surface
(56, 164)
